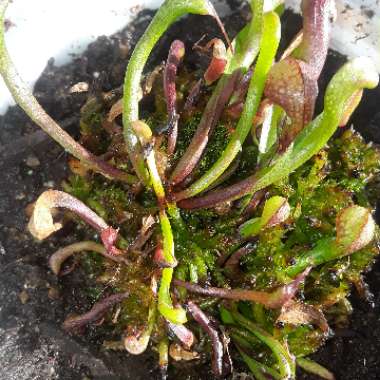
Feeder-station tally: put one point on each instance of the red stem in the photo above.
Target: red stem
(211, 115)
(50, 199)
(176, 53)
(217, 362)
(182, 333)
(316, 33)
(96, 312)
(272, 300)
(193, 95)
(215, 197)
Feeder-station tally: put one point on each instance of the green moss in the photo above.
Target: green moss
(78, 187)
(113, 202)
(316, 192)
(217, 143)
(93, 135)
(92, 264)
(248, 162)
(94, 293)
(304, 340)
(342, 174)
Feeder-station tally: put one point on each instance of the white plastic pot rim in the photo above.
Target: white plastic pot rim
(60, 29)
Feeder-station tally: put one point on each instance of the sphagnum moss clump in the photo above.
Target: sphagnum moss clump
(228, 211)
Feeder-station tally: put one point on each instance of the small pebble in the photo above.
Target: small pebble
(32, 161)
(124, 49)
(29, 209)
(49, 184)
(2, 249)
(20, 196)
(178, 353)
(24, 297)
(79, 87)
(53, 293)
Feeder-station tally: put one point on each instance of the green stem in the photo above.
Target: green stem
(253, 365)
(155, 178)
(352, 76)
(250, 228)
(267, 147)
(168, 240)
(258, 369)
(268, 48)
(259, 314)
(165, 306)
(325, 250)
(167, 233)
(175, 315)
(355, 228)
(163, 354)
(286, 362)
(166, 15)
(25, 99)
(355, 75)
(269, 132)
(247, 43)
(239, 339)
(246, 47)
(315, 368)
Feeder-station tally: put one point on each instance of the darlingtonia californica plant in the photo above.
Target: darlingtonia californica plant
(223, 210)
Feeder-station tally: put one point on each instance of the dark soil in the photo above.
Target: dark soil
(32, 344)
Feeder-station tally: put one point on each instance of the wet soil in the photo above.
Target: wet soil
(34, 302)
